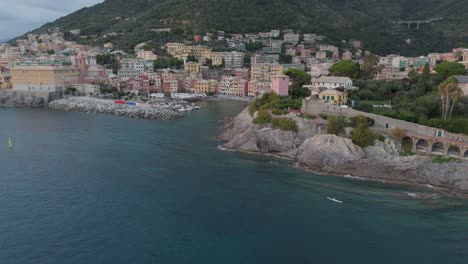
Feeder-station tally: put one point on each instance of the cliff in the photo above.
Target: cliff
(311, 148)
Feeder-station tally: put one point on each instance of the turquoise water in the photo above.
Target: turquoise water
(85, 188)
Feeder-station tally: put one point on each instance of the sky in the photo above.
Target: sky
(20, 16)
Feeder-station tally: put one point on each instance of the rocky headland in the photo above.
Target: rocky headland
(313, 149)
(100, 106)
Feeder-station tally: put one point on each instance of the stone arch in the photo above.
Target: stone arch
(407, 144)
(422, 145)
(453, 151)
(438, 148)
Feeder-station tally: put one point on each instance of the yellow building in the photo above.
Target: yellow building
(45, 78)
(334, 97)
(182, 51)
(264, 71)
(206, 86)
(202, 87)
(217, 58)
(192, 67)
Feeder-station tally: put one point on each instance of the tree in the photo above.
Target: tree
(191, 58)
(345, 68)
(365, 106)
(370, 67)
(299, 79)
(449, 93)
(447, 69)
(336, 125)
(361, 135)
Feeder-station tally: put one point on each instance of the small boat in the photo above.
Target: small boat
(196, 107)
(334, 200)
(10, 143)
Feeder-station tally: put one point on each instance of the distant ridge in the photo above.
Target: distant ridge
(368, 20)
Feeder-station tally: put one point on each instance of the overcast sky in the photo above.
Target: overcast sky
(20, 16)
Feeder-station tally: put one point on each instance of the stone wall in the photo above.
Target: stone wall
(382, 123)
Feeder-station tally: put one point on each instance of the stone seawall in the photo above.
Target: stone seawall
(382, 123)
(91, 105)
(26, 98)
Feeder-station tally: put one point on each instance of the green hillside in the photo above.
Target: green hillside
(367, 20)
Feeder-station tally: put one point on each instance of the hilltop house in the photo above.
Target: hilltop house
(334, 96)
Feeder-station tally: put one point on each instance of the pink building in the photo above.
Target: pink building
(280, 85)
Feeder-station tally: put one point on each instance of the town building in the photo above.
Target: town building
(192, 67)
(291, 38)
(231, 85)
(44, 78)
(256, 86)
(234, 59)
(128, 73)
(171, 86)
(141, 65)
(217, 58)
(264, 71)
(146, 55)
(334, 96)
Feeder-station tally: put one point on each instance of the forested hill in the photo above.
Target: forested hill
(369, 20)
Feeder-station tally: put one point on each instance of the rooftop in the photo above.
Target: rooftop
(332, 79)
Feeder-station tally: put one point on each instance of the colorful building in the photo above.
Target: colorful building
(334, 96)
(280, 85)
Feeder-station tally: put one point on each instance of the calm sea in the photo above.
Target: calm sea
(87, 188)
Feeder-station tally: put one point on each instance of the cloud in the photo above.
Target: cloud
(20, 16)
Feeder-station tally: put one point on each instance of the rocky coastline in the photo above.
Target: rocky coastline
(100, 106)
(312, 149)
(18, 98)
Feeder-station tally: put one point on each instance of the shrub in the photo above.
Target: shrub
(277, 111)
(336, 125)
(284, 123)
(361, 119)
(380, 137)
(263, 117)
(361, 135)
(398, 134)
(323, 116)
(443, 159)
(302, 115)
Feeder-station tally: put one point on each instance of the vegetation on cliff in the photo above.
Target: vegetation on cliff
(428, 99)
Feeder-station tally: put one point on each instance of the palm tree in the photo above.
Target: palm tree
(449, 94)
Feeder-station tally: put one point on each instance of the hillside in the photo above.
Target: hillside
(368, 20)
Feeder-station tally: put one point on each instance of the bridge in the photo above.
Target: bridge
(437, 146)
(418, 23)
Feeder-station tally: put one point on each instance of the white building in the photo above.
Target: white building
(332, 82)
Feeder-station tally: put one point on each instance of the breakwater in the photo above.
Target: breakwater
(100, 106)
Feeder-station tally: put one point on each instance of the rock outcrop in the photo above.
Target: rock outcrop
(17, 98)
(327, 151)
(89, 105)
(240, 133)
(311, 148)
